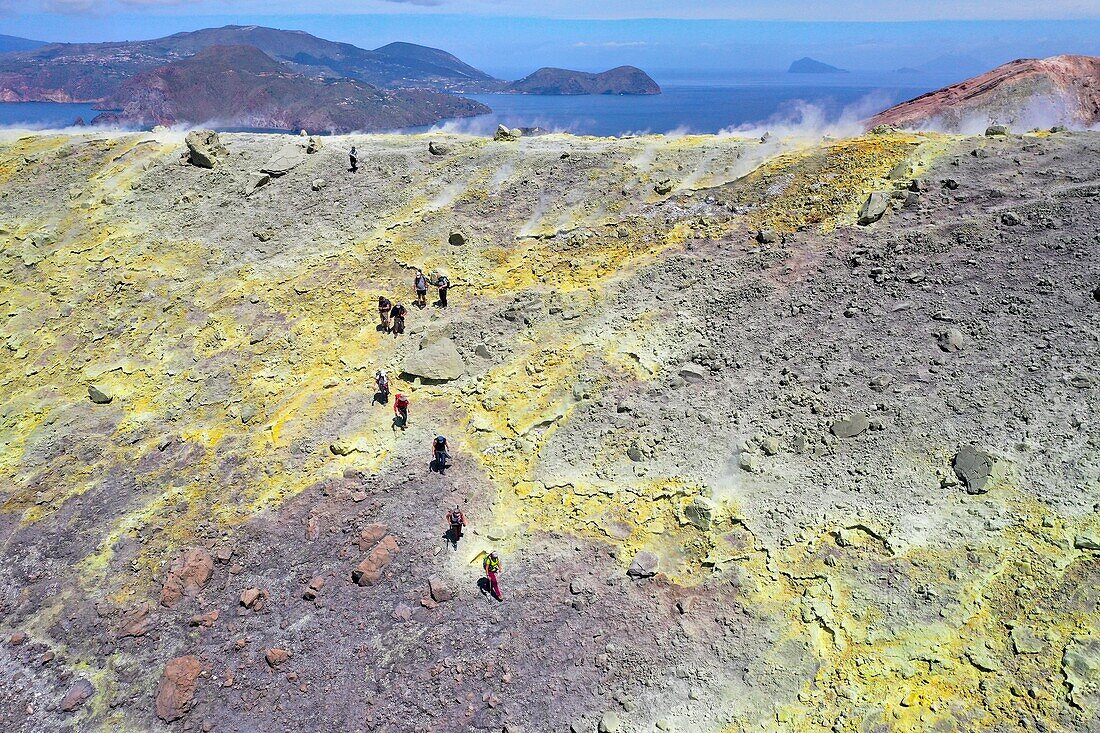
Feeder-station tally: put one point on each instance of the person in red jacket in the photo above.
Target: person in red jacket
(457, 519)
(401, 409)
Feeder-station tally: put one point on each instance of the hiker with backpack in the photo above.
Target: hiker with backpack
(443, 283)
(384, 306)
(439, 454)
(383, 383)
(397, 313)
(420, 283)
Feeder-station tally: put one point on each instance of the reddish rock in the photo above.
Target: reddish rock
(188, 574)
(136, 621)
(276, 656)
(369, 571)
(313, 589)
(439, 590)
(370, 535)
(253, 598)
(177, 686)
(313, 528)
(78, 694)
(17, 638)
(204, 619)
(428, 603)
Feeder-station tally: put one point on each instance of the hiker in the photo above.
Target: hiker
(398, 314)
(444, 284)
(383, 383)
(401, 409)
(421, 284)
(439, 453)
(384, 306)
(491, 563)
(457, 520)
(354, 156)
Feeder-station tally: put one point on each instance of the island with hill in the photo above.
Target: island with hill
(551, 81)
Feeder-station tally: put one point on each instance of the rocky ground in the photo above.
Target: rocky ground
(750, 464)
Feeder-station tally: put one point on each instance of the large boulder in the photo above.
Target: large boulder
(874, 207)
(204, 148)
(369, 570)
(505, 134)
(974, 467)
(439, 361)
(177, 686)
(286, 158)
(851, 426)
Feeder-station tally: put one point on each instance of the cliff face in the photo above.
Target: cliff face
(1023, 94)
(240, 86)
(551, 81)
(749, 465)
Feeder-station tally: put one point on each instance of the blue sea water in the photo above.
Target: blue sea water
(690, 105)
(42, 115)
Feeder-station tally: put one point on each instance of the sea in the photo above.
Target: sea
(734, 102)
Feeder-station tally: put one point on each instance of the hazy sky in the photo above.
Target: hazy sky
(509, 38)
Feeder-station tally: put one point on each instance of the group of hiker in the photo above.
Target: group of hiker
(392, 318)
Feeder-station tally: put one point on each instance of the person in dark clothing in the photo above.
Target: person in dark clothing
(457, 519)
(384, 306)
(397, 313)
(444, 284)
(439, 454)
(354, 157)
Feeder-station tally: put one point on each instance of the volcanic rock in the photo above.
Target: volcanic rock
(285, 159)
(204, 148)
(644, 565)
(99, 395)
(438, 589)
(438, 148)
(874, 207)
(77, 695)
(974, 467)
(176, 690)
(276, 656)
(850, 426)
(189, 573)
(438, 361)
(369, 570)
(504, 134)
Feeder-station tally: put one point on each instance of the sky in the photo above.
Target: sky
(692, 38)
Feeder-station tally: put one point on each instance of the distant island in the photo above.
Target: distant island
(808, 65)
(551, 81)
(248, 87)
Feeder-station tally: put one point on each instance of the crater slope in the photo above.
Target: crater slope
(750, 465)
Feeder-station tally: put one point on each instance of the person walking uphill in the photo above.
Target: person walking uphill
(384, 306)
(491, 563)
(354, 158)
(439, 454)
(383, 383)
(401, 409)
(443, 283)
(397, 313)
(420, 283)
(457, 519)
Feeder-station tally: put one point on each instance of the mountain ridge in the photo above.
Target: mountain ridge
(242, 86)
(1022, 93)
